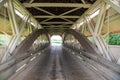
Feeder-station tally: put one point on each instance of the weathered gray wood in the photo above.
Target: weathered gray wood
(91, 51)
(105, 72)
(85, 43)
(25, 45)
(20, 53)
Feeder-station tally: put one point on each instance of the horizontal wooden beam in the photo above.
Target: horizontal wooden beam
(56, 22)
(56, 26)
(57, 5)
(57, 16)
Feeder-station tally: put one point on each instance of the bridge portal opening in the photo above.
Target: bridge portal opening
(56, 40)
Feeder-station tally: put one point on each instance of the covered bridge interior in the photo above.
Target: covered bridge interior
(89, 32)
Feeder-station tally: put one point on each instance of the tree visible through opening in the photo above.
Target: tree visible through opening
(56, 40)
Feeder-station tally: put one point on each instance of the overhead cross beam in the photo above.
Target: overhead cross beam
(56, 26)
(63, 16)
(57, 16)
(56, 22)
(67, 12)
(40, 9)
(56, 5)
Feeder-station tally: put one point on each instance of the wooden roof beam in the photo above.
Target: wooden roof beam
(57, 5)
(56, 22)
(55, 26)
(57, 16)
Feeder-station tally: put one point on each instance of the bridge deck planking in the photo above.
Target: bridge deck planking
(57, 64)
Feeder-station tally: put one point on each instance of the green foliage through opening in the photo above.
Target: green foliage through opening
(112, 39)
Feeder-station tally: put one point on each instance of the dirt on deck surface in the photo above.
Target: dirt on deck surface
(56, 63)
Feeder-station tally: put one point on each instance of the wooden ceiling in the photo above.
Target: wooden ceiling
(57, 15)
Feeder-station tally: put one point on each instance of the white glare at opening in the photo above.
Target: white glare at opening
(56, 40)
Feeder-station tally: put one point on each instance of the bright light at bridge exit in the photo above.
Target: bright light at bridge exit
(56, 40)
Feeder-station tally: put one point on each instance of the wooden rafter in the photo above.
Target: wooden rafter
(57, 16)
(56, 22)
(57, 5)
